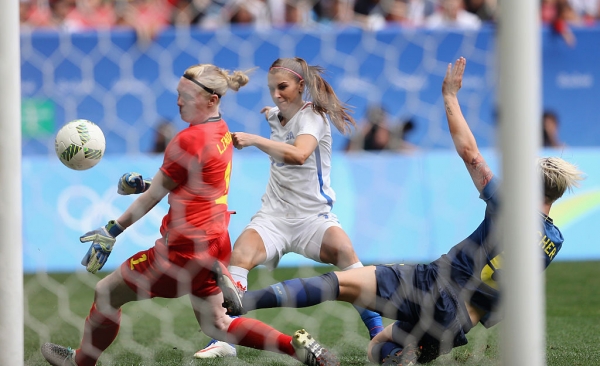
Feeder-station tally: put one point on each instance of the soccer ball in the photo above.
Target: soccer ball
(80, 144)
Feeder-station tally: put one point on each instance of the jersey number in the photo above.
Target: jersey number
(489, 273)
(223, 199)
(133, 262)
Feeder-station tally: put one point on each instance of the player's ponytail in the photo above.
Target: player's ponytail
(236, 80)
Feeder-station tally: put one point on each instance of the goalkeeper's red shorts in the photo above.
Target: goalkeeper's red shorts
(175, 271)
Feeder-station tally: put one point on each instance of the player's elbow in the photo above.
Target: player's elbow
(296, 158)
(466, 147)
(468, 153)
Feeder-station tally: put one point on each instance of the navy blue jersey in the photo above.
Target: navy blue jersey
(475, 263)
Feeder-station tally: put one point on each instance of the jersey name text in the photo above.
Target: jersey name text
(225, 141)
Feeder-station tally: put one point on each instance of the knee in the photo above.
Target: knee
(243, 259)
(102, 295)
(112, 292)
(341, 255)
(239, 257)
(104, 287)
(337, 249)
(248, 255)
(348, 256)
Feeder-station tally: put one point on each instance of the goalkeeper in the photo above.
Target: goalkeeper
(194, 236)
(435, 304)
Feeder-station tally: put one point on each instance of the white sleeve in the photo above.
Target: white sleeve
(273, 111)
(312, 124)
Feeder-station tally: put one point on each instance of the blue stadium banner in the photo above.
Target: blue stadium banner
(395, 208)
(107, 78)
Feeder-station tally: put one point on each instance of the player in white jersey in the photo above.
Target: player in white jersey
(296, 213)
(298, 191)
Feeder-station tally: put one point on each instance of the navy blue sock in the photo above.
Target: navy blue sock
(388, 348)
(371, 319)
(294, 293)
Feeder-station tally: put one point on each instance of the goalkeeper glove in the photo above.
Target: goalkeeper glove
(102, 240)
(132, 183)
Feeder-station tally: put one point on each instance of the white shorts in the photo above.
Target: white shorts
(303, 236)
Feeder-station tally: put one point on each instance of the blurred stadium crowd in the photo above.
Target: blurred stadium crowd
(149, 16)
(377, 130)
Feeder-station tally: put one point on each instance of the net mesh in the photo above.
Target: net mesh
(128, 89)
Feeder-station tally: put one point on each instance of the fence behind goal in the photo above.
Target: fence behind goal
(129, 88)
(395, 208)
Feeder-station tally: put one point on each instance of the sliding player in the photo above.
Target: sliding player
(435, 304)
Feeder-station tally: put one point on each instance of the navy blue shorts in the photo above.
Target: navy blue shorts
(426, 307)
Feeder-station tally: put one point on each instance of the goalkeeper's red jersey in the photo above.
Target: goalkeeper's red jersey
(199, 160)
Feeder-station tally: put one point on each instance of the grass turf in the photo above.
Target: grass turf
(165, 332)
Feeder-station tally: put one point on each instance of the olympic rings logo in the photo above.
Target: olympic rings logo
(82, 208)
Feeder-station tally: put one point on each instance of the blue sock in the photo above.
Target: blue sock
(294, 293)
(371, 319)
(389, 348)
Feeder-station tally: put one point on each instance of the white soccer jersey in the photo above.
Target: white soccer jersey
(296, 191)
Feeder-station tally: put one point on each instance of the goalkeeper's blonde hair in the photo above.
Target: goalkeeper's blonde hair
(558, 176)
(218, 79)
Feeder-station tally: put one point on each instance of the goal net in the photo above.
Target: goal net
(407, 202)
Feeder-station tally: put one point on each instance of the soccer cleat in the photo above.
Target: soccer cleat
(216, 349)
(407, 357)
(232, 291)
(310, 352)
(58, 355)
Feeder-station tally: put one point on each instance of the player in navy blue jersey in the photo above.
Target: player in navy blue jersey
(435, 304)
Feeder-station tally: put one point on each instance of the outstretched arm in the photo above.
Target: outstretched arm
(161, 186)
(295, 154)
(463, 138)
(103, 238)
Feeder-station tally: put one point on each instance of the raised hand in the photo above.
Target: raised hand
(102, 240)
(132, 183)
(266, 110)
(453, 79)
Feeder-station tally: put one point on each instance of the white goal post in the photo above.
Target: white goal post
(519, 52)
(11, 259)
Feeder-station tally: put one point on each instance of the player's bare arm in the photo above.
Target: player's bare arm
(480, 172)
(295, 154)
(161, 186)
(463, 138)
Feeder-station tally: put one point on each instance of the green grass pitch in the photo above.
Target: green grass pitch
(165, 332)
